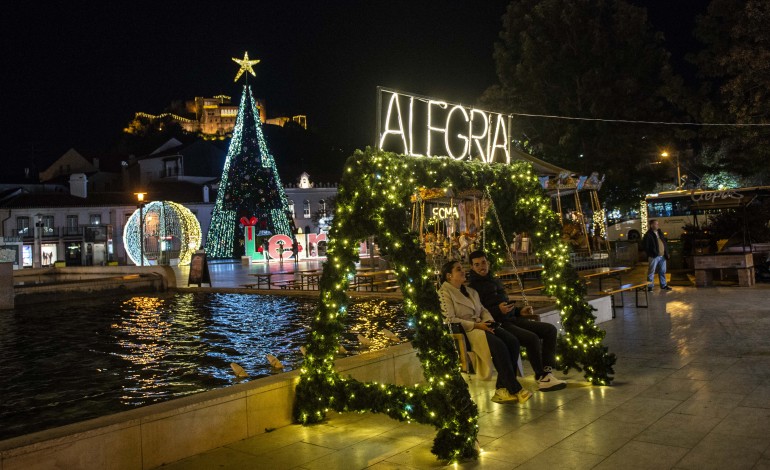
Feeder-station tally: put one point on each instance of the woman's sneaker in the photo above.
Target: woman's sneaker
(523, 395)
(502, 395)
(548, 381)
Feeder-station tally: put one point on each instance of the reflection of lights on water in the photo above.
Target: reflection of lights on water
(370, 319)
(147, 349)
(143, 327)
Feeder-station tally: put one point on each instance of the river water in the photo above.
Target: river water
(67, 362)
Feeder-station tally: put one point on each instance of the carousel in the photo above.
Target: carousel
(448, 224)
(451, 225)
(582, 232)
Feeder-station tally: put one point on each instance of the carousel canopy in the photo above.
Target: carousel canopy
(541, 167)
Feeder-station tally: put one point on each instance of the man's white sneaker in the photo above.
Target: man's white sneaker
(549, 381)
(502, 395)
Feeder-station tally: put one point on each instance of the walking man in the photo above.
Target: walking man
(657, 253)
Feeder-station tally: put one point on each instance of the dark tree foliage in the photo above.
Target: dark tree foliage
(735, 64)
(590, 59)
(143, 135)
(749, 223)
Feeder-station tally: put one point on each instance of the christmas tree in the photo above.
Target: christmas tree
(250, 185)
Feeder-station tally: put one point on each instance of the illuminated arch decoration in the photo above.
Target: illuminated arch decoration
(374, 199)
(170, 231)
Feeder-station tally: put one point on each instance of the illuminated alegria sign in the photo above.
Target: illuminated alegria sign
(420, 126)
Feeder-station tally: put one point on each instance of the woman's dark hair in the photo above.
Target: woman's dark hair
(446, 269)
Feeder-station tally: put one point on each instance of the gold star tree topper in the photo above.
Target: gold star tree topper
(246, 65)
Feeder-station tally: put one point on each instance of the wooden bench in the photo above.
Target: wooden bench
(384, 284)
(250, 286)
(531, 298)
(465, 365)
(513, 286)
(287, 284)
(262, 278)
(603, 273)
(705, 265)
(625, 288)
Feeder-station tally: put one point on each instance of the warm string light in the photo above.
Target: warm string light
(176, 225)
(246, 65)
(372, 199)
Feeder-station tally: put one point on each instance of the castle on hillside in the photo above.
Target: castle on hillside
(209, 117)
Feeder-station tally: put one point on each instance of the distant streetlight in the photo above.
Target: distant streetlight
(678, 172)
(140, 198)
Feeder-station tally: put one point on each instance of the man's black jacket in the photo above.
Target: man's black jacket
(650, 243)
(492, 294)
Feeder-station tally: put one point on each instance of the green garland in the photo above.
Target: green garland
(373, 198)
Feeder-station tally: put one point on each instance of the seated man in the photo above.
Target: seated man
(529, 332)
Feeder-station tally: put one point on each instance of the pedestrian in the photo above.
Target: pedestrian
(295, 251)
(657, 253)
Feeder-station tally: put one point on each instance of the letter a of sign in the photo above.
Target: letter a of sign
(495, 142)
(388, 130)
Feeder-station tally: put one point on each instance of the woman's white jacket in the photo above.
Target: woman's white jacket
(467, 311)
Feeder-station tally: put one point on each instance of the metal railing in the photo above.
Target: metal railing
(583, 259)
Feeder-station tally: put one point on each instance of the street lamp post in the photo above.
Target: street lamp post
(140, 198)
(37, 255)
(678, 172)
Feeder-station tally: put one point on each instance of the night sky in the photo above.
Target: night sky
(74, 75)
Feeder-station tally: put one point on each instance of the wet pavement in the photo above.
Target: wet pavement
(691, 391)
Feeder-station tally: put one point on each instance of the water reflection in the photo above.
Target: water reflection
(63, 363)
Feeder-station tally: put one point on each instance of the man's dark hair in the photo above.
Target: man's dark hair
(651, 221)
(477, 254)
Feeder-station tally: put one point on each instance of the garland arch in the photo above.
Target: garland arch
(373, 199)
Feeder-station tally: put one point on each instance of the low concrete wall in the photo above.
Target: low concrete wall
(157, 434)
(6, 286)
(56, 284)
(83, 273)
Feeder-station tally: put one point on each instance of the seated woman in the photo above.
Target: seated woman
(461, 304)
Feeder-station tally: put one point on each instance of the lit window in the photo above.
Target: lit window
(306, 209)
(22, 226)
(47, 225)
(291, 209)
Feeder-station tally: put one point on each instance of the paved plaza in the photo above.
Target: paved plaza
(692, 391)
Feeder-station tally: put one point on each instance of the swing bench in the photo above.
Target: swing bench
(463, 347)
(462, 344)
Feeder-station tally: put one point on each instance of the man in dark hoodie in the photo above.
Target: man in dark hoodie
(529, 332)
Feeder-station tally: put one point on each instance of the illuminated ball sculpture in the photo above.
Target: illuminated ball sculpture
(170, 231)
